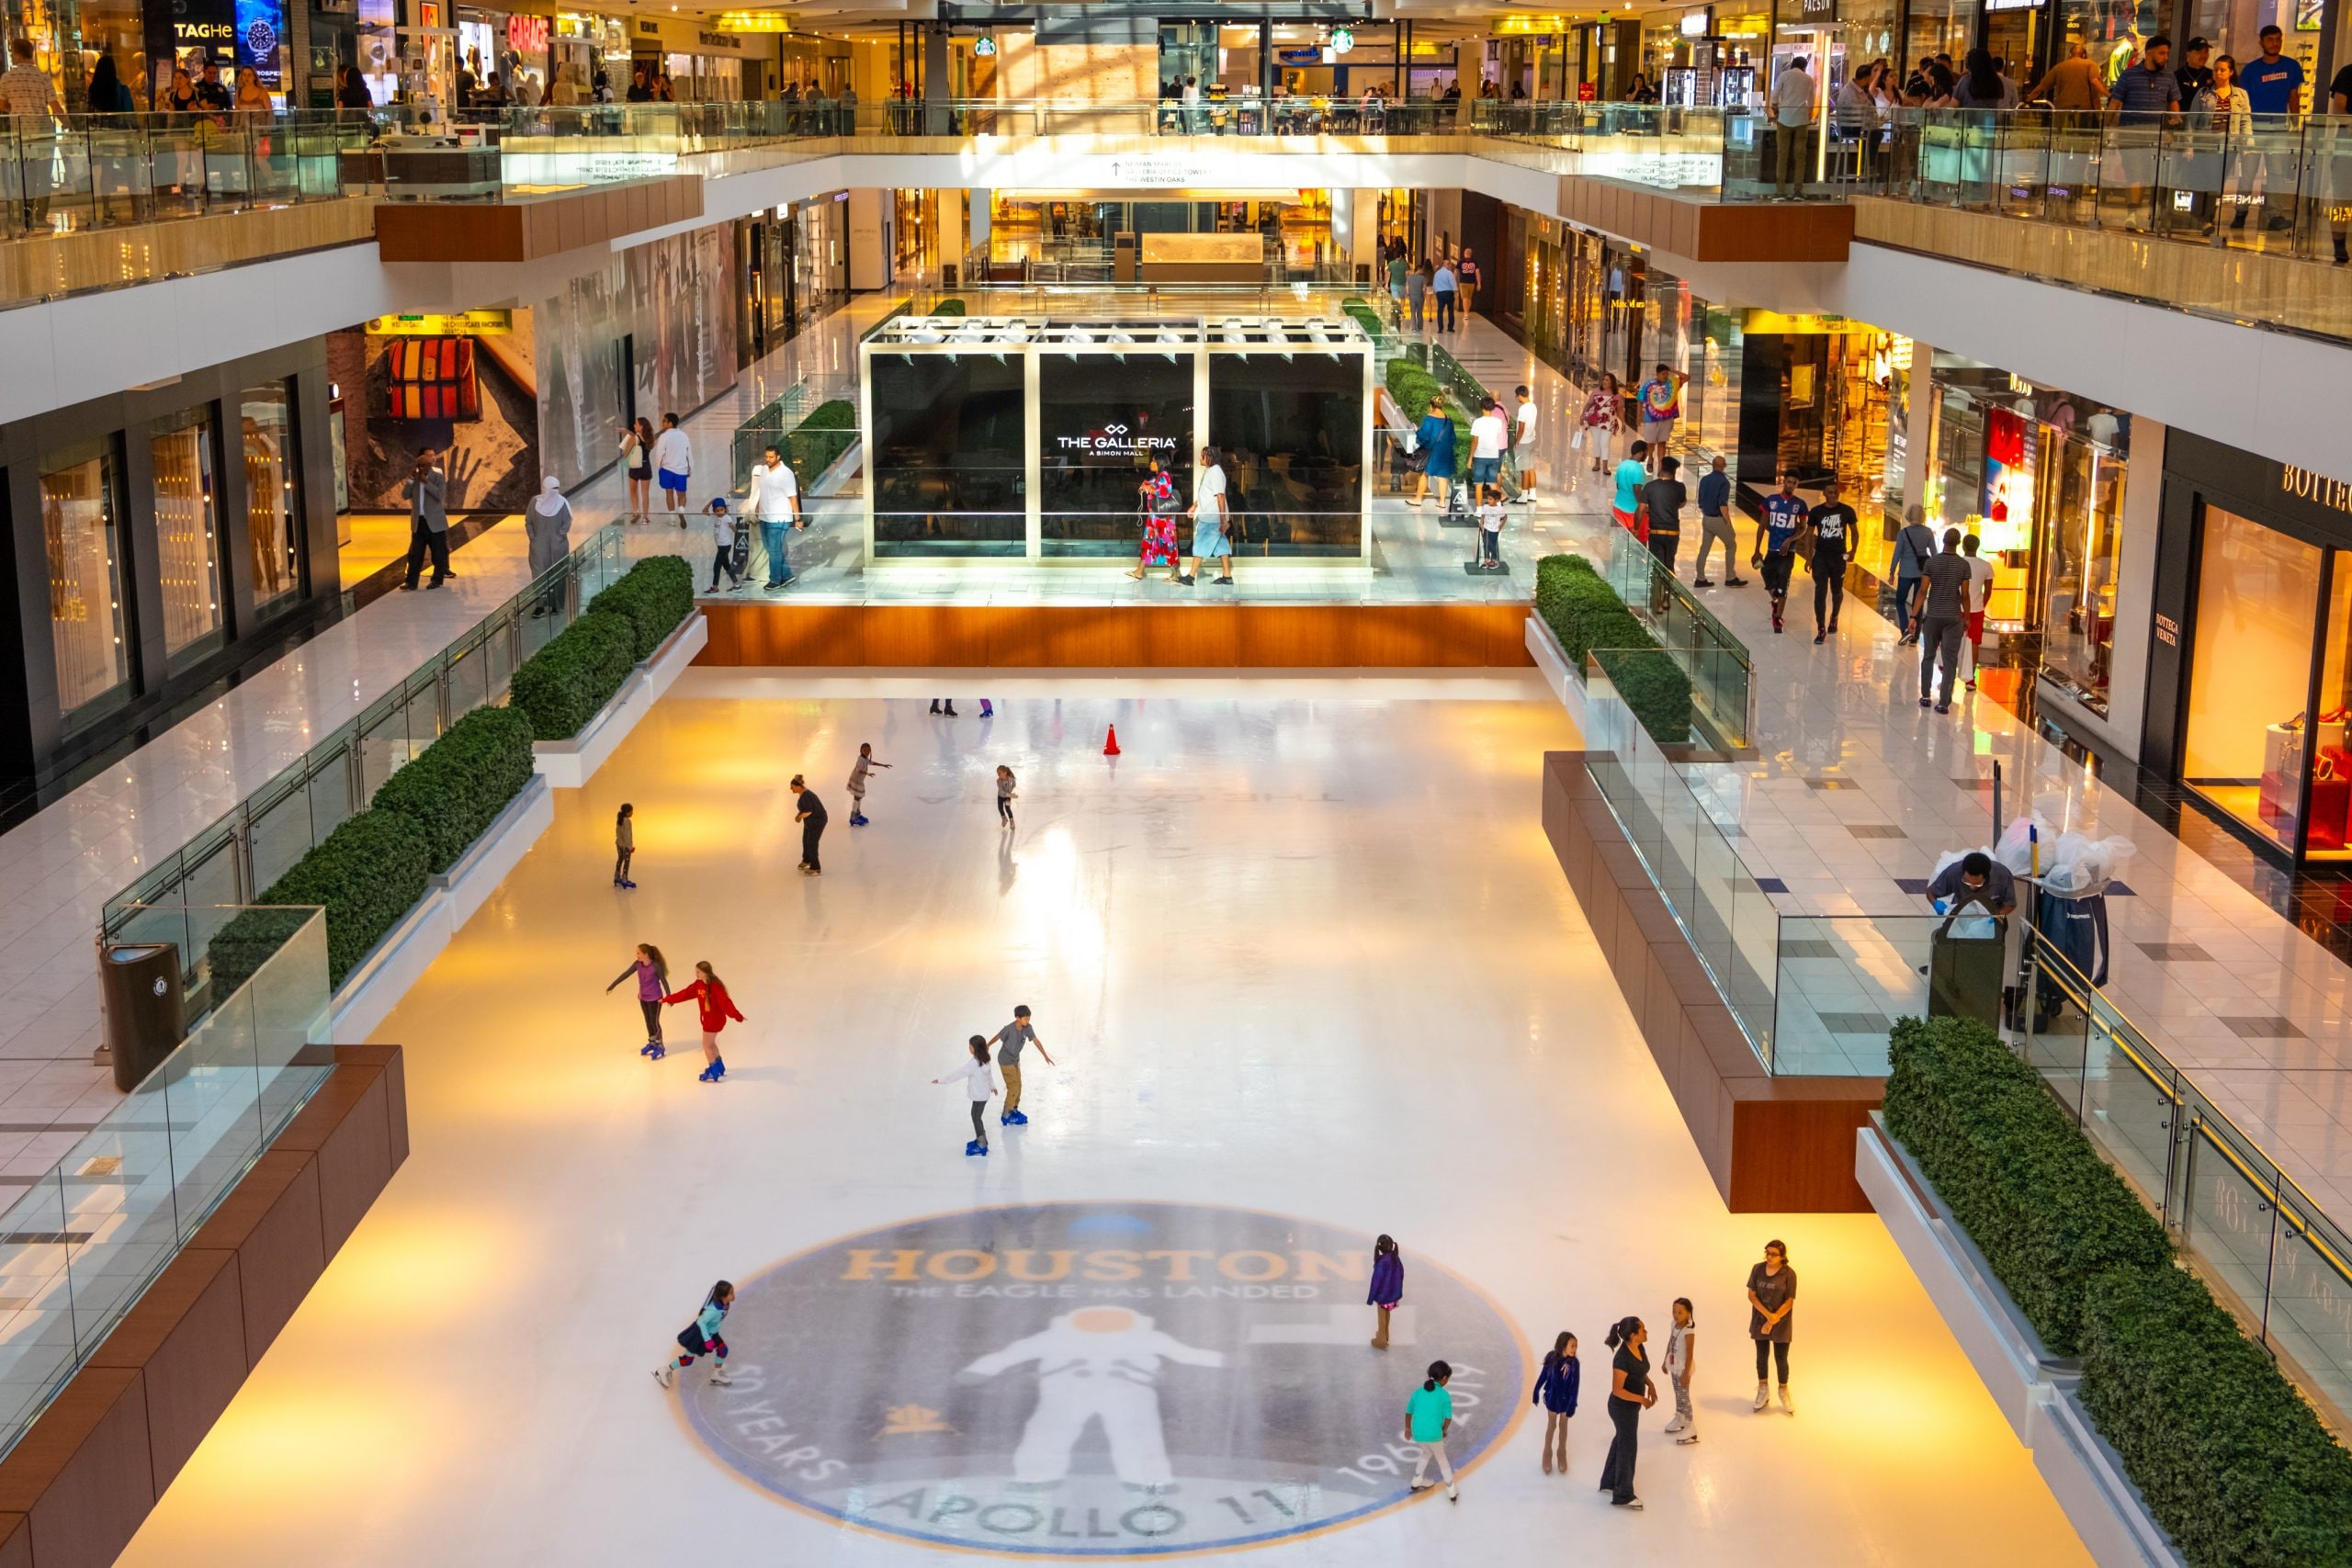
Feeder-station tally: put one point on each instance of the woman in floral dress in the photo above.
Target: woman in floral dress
(1159, 507)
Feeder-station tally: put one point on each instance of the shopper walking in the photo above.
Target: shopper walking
(624, 844)
(1661, 403)
(1662, 502)
(1490, 530)
(27, 97)
(1009, 1042)
(652, 973)
(1793, 106)
(1625, 506)
(1913, 547)
(1603, 421)
(980, 1088)
(1775, 554)
(775, 499)
(1555, 1391)
(1771, 1298)
(1417, 292)
(1442, 284)
(713, 1007)
(1005, 793)
(673, 464)
(1467, 272)
(1388, 1291)
(636, 452)
(1208, 514)
(1830, 535)
(857, 775)
(546, 530)
(812, 818)
(1433, 438)
(428, 519)
(1715, 527)
(1681, 1341)
(1428, 1417)
(1980, 596)
(1489, 435)
(722, 540)
(1630, 1393)
(1940, 612)
(700, 1338)
(1158, 504)
(1519, 462)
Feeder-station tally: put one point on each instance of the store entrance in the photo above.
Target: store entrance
(1073, 234)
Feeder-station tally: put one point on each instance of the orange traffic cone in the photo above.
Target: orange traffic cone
(1111, 742)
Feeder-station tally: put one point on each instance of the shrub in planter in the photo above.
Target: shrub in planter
(2228, 1456)
(819, 439)
(456, 787)
(560, 688)
(654, 596)
(240, 948)
(949, 307)
(2015, 1172)
(1654, 686)
(368, 875)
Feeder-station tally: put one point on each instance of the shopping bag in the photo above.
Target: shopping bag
(1575, 440)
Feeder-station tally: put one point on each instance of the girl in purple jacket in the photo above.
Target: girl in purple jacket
(1387, 1285)
(652, 974)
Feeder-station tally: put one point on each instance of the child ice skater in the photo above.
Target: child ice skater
(1005, 794)
(709, 993)
(700, 1338)
(1555, 1391)
(857, 818)
(1679, 1341)
(980, 1084)
(653, 981)
(1387, 1285)
(624, 844)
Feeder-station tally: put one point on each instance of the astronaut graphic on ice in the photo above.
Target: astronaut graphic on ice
(1095, 1364)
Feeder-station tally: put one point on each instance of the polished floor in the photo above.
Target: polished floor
(1307, 971)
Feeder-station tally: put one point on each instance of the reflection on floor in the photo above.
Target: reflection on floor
(377, 539)
(1300, 951)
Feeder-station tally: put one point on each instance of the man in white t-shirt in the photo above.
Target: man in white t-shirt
(775, 499)
(1488, 437)
(1793, 103)
(673, 464)
(1520, 461)
(1210, 543)
(1980, 594)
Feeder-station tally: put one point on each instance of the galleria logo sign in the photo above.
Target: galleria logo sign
(1095, 1379)
(1114, 440)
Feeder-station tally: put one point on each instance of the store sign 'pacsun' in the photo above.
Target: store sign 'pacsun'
(1117, 441)
(1095, 1379)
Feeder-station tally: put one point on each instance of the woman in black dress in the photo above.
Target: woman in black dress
(1771, 1302)
(1629, 1394)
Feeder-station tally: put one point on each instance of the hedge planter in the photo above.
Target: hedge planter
(457, 785)
(560, 687)
(654, 596)
(1585, 616)
(367, 873)
(570, 763)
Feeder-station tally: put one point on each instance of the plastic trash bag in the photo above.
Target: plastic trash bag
(2077, 865)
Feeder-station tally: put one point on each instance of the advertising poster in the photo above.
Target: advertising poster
(467, 386)
(261, 37)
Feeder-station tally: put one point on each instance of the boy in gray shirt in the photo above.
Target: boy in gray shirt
(1008, 1042)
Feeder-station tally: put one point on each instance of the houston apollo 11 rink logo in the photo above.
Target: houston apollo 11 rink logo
(1096, 1378)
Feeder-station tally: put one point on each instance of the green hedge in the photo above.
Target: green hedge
(949, 307)
(456, 787)
(2228, 1456)
(1584, 613)
(560, 688)
(1364, 315)
(655, 596)
(2016, 1173)
(246, 944)
(368, 873)
(1413, 387)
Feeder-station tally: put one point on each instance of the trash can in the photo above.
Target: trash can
(139, 984)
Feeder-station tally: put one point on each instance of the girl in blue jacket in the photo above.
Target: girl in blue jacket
(1555, 1391)
(700, 1338)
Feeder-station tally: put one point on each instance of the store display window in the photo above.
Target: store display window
(187, 553)
(81, 508)
(2082, 556)
(2249, 729)
(1291, 436)
(950, 443)
(1102, 420)
(273, 494)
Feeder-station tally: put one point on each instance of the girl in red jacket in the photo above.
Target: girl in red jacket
(709, 993)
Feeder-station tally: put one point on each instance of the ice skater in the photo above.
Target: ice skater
(652, 974)
(700, 1338)
(624, 844)
(987, 709)
(949, 710)
(1005, 793)
(857, 772)
(1555, 1391)
(980, 1084)
(1096, 1364)
(1680, 1340)
(1428, 1417)
(1008, 1042)
(812, 818)
(1387, 1286)
(709, 993)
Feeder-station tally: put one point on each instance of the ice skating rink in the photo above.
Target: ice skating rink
(1308, 971)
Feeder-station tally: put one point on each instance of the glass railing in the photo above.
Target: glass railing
(1723, 678)
(2269, 1252)
(237, 858)
(79, 1246)
(1815, 995)
(1698, 153)
(779, 424)
(109, 171)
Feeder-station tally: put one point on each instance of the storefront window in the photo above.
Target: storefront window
(2082, 553)
(950, 443)
(2257, 600)
(188, 554)
(1291, 436)
(273, 497)
(80, 503)
(1100, 422)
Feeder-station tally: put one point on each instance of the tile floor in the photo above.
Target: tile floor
(1301, 948)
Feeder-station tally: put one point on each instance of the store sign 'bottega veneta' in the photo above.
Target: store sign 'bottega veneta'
(2318, 488)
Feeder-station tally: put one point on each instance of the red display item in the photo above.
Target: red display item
(2005, 438)
(2331, 800)
(433, 378)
